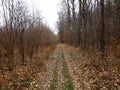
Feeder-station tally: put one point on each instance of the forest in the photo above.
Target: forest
(83, 55)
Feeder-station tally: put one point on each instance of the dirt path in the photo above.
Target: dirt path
(47, 76)
(56, 76)
(61, 78)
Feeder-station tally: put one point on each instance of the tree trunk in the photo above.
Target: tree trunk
(103, 61)
(102, 33)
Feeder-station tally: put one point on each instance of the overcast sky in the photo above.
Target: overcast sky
(48, 8)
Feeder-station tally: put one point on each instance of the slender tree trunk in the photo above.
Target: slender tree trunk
(103, 61)
(79, 25)
(102, 33)
(74, 23)
(22, 50)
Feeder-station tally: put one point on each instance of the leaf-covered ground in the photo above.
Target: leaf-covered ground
(66, 68)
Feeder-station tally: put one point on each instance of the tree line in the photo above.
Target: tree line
(21, 31)
(90, 24)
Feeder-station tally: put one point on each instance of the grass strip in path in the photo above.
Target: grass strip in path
(68, 82)
(54, 80)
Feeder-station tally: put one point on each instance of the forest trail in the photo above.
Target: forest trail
(61, 77)
(68, 68)
(70, 45)
(57, 76)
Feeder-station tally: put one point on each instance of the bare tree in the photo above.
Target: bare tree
(7, 32)
(21, 25)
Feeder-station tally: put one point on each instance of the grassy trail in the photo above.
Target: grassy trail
(61, 79)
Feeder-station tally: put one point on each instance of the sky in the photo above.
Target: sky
(48, 9)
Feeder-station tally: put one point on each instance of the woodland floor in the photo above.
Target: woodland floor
(67, 69)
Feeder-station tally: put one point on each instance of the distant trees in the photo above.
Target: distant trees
(90, 24)
(22, 32)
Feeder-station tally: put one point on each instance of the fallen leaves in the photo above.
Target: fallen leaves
(88, 74)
